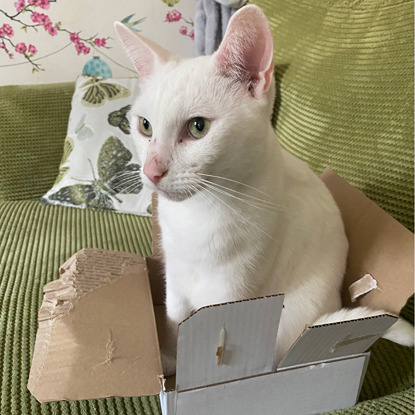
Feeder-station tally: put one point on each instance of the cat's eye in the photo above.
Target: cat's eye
(145, 127)
(198, 127)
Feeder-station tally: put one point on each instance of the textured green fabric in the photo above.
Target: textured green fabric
(33, 122)
(34, 241)
(345, 79)
(345, 99)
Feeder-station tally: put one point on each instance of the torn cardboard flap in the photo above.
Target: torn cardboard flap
(88, 343)
(378, 245)
(363, 286)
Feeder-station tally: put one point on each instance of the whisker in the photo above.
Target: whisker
(123, 175)
(239, 215)
(254, 205)
(198, 191)
(235, 181)
(266, 202)
(130, 186)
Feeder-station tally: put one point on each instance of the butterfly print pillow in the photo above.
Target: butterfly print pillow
(99, 169)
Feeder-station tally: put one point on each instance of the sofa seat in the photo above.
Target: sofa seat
(36, 239)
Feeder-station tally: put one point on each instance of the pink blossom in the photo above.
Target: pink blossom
(173, 16)
(192, 34)
(100, 42)
(32, 2)
(2, 45)
(53, 31)
(20, 5)
(44, 4)
(35, 17)
(85, 51)
(183, 30)
(74, 37)
(43, 19)
(21, 47)
(2, 34)
(8, 30)
(32, 49)
(80, 46)
(11, 55)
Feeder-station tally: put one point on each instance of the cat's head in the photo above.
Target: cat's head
(203, 117)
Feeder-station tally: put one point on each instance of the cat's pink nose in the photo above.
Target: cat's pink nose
(154, 170)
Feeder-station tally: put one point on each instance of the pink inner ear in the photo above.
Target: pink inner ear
(247, 49)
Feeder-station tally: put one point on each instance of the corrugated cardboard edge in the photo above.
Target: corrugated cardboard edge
(336, 340)
(155, 262)
(379, 246)
(84, 274)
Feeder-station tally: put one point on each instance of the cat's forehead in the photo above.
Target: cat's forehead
(188, 86)
(182, 80)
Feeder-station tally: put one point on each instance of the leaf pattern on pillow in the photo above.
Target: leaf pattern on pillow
(98, 90)
(67, 150)
(115, 176)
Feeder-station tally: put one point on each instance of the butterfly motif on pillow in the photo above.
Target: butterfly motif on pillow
(115, 176)
(119, 119)
(99, 90)
(83, 131)
(67, 150)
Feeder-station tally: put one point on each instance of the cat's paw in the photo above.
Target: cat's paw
(168, 361)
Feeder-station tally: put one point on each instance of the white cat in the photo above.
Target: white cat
(240, 217)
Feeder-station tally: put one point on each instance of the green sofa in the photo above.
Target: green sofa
(344, 73)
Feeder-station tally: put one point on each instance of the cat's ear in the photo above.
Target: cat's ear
(246, 50)
(144, 53)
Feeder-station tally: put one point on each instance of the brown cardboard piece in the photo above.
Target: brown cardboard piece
(379, 246)
(96, 335)
(105, 342)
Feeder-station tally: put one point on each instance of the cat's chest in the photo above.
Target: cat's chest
(197, 233)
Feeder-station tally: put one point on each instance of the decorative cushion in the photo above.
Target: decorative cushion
(99, 168)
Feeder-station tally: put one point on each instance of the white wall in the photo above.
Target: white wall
(57, 54)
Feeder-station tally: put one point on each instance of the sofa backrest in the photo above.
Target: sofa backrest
(33, 123)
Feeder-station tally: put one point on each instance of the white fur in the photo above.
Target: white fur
(270, 226)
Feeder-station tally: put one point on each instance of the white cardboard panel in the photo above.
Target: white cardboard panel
(330, 341)
(310, 389)
(251, 329)
(168, 402)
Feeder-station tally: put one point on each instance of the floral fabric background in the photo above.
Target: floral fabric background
(43, 41)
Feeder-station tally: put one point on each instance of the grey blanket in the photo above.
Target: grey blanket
(211, 21)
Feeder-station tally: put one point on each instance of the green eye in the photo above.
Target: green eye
(198, 127)
(145, 127)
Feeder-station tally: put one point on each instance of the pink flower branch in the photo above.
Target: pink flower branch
(41, 20)
(27, 51)
(176, 16)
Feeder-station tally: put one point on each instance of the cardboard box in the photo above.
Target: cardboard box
(98, 335)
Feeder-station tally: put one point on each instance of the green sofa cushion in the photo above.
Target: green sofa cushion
(345, 92)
